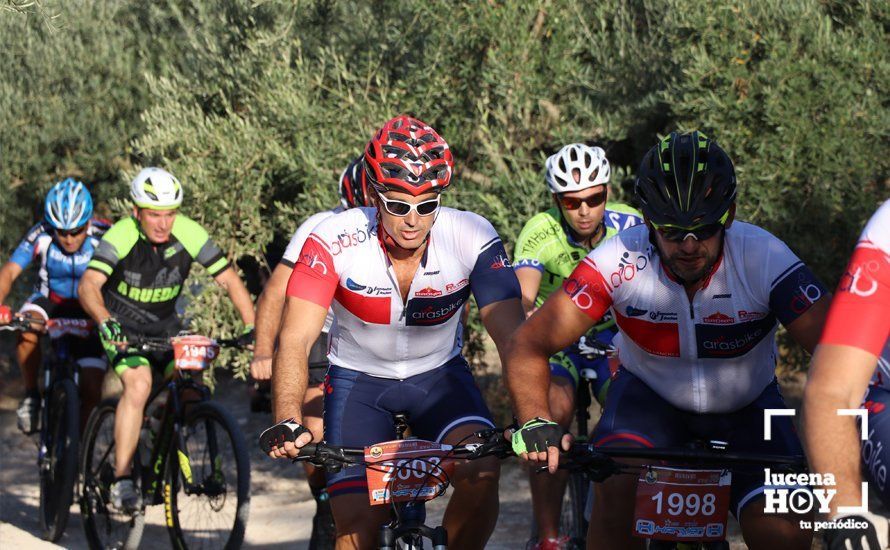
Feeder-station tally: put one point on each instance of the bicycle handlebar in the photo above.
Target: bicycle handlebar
(160, 343)
(599, 462)
(332, 457)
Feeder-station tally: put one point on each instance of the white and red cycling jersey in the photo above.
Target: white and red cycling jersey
(716, 353)
(860, 312)
(344, 265)
(292, 252)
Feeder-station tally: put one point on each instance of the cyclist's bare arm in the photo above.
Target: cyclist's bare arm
(838, 378)
(530, 283)
(501, 319)
(89, 292)
(555, 325)
(301, 324)
(8, 274)
(229, 280)
(807, 328)
(268, 321)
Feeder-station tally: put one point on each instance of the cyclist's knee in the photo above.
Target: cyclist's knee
(612, 500)
(477, 475)
(353, 516)
(765, 531)
(562, 401)
(137, 384)
(28, 340)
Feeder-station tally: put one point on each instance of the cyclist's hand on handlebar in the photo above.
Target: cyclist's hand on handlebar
(5, 314)
(539, 440)
(111, 334)
(247, 338)
(850, 536)
(285, 439)
(261, 367)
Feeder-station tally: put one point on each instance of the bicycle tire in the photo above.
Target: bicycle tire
(216, 423)
(58, 465)
(572, 522)
(101, 527)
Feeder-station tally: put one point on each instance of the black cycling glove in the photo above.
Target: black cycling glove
(277, 435)
(536, 435)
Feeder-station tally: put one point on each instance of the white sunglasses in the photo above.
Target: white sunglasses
(402, 208)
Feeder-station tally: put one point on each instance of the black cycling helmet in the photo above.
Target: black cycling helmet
(354, 185)
(686, 180)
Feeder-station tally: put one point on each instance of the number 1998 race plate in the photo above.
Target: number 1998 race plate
(682, 505)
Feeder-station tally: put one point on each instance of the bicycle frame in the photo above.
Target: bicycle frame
(169, 434)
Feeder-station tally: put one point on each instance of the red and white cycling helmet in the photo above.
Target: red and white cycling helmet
(408, 155)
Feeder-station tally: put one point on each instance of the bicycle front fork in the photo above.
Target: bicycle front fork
(389, 536)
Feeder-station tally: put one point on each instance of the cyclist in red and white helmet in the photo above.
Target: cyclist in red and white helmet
(397, 278)
(354, 191)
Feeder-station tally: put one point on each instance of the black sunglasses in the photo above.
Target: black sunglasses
(574, 203)
(71, 232)
(680, 234)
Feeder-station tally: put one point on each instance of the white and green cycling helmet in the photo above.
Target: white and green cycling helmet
(590, 162)
(156, 189)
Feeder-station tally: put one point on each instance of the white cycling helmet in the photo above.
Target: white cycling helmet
(590, 162)
(156, 189)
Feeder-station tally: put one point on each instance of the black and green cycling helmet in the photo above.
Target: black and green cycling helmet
(686, 180)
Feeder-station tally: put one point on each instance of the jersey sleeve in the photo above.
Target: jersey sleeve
(793, 288)
(292, 252)
(587, 287)
(314, 277)
(199, 245)
(492, 278)
(115, 244)
(859, 312)
(27, 248)
(527, 251)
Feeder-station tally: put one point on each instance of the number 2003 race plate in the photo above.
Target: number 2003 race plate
(682, 505)
(406, 469)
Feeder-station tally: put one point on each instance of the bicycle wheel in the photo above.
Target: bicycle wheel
(104, 527)
(571, 520)
(207, 495)
(58, 458)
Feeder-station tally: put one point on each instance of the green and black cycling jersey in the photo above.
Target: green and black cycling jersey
(145, 279)
(545, 244)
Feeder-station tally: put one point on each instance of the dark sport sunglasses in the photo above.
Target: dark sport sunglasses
(676, 234)
(402, 208)
(574, 203)
(71, 232)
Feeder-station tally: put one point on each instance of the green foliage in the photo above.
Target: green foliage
(258, 105)
(70, 98)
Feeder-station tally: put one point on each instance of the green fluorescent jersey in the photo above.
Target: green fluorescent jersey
(545, 244)
(144, 280)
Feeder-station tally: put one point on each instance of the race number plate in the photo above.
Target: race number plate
(80, 328)
(682, 505)
(406, 469)
(194, 352)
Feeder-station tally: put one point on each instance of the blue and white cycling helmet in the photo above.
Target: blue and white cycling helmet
(68, 205)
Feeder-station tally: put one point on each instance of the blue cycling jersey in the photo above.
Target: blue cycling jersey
(57, 271)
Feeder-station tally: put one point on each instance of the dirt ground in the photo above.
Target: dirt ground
(281, 507)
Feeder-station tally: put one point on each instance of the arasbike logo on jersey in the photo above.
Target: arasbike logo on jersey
(501, 261)
(717, 340)
(628, 267)
(435, 310)
(349, 239)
